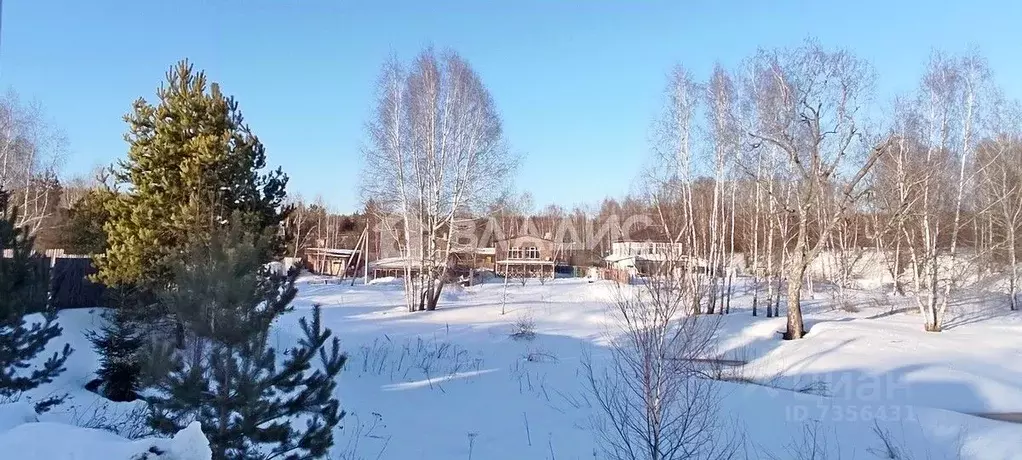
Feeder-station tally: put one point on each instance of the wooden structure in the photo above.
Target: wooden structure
(331, 261)
(614, 274)
(393, 267)
(70, 285)
(473, 258)
(644, 258)
(525, 256)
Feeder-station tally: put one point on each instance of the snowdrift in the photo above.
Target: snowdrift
(23, 437)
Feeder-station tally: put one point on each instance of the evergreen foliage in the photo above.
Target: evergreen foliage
(83, 231)
(24, 286)
(251, 399)
(119, 344)
(191, 164)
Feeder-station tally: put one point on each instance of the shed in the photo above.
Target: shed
(330, 261)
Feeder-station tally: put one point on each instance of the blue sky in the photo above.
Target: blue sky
(577, 83)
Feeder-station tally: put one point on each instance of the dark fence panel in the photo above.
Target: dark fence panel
(71, 288)
(35, 298)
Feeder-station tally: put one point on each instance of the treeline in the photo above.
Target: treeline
(790, 155)
(315, 225)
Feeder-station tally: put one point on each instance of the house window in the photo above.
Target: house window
(532, 253)
(514, 253)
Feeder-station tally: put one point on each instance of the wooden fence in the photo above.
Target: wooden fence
(621, 276)
(69, 285)
(36, 297)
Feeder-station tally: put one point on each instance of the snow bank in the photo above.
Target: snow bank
(277, 268)
(14, 414)
(383, 280)
(23, 438)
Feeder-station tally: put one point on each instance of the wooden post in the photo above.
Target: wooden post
(358, 244)
(365, 257)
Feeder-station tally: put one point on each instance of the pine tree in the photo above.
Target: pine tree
(119, 344)
(24, 290)
(249, 397)
(83, 231)
(192, 162)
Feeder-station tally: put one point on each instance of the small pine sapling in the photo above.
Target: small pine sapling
(251, 399)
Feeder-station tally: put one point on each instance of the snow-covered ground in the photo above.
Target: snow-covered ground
(24, 437)
(439, 384)
(454, 384)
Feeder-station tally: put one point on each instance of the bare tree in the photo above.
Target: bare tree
(670, 176)
(845, 252)
(896, 185)
(724, 133)
(816, 100)
(301, 224)
(652, 399)
(75, 188)
(756, 109)
(31, 151)
(1001, 191)
(435, 152)
(936, 171)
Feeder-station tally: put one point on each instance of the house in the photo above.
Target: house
(646, 257)
(394, 267)
(331, 261)
(473, 258)
(525, 256)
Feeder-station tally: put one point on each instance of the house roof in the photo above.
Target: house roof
(526, 236)
(647, 240)
(394, 263)
(525, 262)
(336, 252)
(655, 258)
(617, 258)
(480, 251)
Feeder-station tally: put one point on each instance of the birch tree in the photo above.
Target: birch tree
(1001, 192)
(435, 150)
(31, 152)
(947, 108)
(817, 123)
(670, 177)
(651, 396)
(897, 183)
(721, 94)
(300, 225)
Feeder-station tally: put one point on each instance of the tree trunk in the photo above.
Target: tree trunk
(770, 270)
(433, 296)
(777, 296)
(898, 290)
(1013, 282)
(795, 328)
(179, 334)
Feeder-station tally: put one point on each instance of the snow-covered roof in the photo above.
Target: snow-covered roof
(617, 258)
(525, 262)
(525, 236)
(394, 263)
(338, 252)
(479, 251)
(614, 258)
